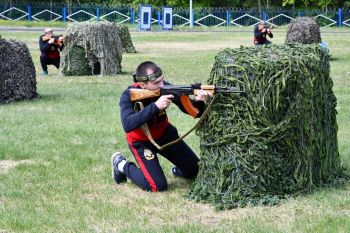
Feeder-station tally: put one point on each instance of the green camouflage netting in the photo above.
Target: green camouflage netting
(303, 30)
(279, 138)
(124, 34)
(17, 72)
(92, 48)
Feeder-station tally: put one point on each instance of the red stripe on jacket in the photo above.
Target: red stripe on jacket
(156, 131)
(260, 39)
(53, 54)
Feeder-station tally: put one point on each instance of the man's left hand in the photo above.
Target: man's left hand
(202, 95)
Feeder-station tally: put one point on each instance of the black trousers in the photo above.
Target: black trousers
(149, 175)
(44, 61)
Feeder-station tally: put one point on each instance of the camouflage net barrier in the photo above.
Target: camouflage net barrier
(279, 138)
(124, 34)
(17, 72)
(303, 30)
(92, 49)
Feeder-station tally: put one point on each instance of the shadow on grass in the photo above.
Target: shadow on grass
(47, 98)
(176, 184)
(339, 182)
(14, 101)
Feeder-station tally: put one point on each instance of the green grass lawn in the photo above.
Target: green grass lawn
(62, 142)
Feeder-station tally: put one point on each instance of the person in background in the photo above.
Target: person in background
(149, 175)
(50, 47)
(260, 33)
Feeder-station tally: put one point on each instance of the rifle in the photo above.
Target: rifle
(57, 41)
(183, 91)
(267, 27)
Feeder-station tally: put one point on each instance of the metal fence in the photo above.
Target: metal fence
(202, 17)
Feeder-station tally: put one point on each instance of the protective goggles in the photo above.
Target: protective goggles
(149, 77)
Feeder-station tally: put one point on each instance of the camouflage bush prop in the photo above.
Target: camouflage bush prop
(17, 72)
(303, 30)
(124, 34)
(279, 138)
(92, 49)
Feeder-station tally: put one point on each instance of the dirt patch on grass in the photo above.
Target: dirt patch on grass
(7, 165)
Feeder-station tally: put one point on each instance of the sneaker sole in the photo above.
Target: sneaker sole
(112, 159)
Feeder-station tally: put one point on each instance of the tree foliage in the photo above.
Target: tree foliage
(265, 4)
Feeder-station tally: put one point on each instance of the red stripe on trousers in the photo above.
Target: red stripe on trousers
(144, 170)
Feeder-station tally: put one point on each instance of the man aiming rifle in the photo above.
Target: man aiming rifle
(260, 32)
(144, 104)
(50, 47)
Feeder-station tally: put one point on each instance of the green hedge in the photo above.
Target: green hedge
(279, 138)
(92, 48)
(17, 72)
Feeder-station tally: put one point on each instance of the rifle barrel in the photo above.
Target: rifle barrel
(176, 87)
(188, 89)
(229, 90)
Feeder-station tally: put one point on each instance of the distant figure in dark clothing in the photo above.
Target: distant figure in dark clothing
(260, 33)
(50, 47)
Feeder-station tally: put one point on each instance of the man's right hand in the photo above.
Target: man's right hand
(164, 101)
(51, 41)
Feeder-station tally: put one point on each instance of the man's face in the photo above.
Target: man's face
(49, 33)
(153, 85)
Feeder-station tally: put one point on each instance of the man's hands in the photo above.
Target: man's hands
(164, 101)
(52, 40)
(266, 29)
(202, 95)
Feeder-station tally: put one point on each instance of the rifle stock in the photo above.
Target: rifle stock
(140, 94)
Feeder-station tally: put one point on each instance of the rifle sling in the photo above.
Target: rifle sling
(139, 106)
